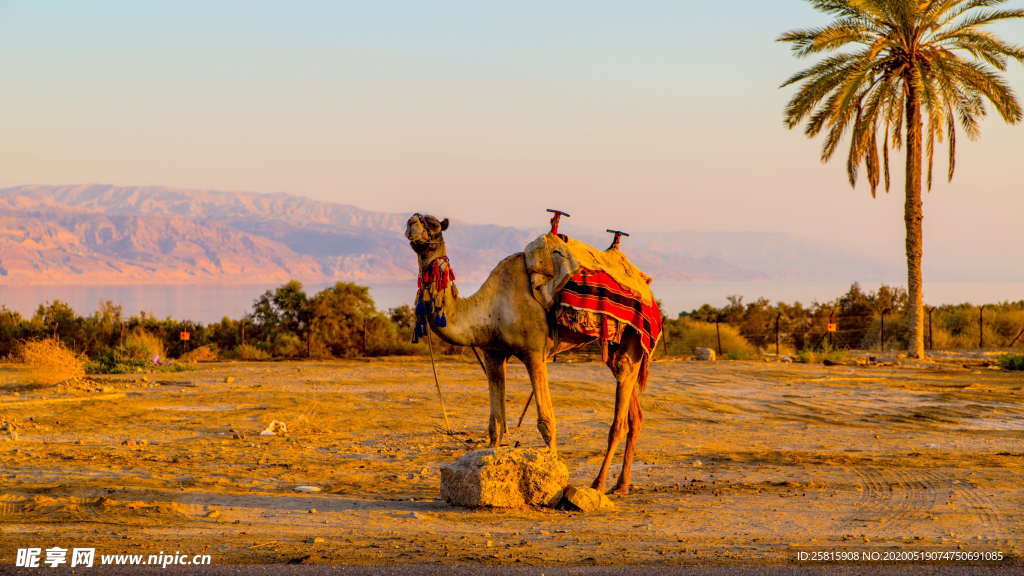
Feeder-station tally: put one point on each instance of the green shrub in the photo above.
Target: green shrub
(287, 345)
(140, 346)
(834, 357)
(109, 361)
(821, 357)
(741, 355)
(249, 352)
(1012, 362)
(806, 357)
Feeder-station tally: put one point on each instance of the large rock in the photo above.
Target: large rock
(585, 499)
(504, 478)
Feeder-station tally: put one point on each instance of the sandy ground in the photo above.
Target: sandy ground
(739, 463)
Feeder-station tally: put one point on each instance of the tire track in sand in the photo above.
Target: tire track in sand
(893, 499)
(979, 505)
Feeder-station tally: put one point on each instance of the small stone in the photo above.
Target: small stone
(214, 514)
(229, 380)
(307, 488)
(585, 499)
(697, 463)
(315, 540)
(276, 427)
(312, 511)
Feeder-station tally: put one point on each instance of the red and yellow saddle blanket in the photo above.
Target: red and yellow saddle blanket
(595, 304)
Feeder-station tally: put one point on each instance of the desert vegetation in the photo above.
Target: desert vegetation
(342, 321)
(49, 362)
(338, 322)
(897, 75)
(865, 320)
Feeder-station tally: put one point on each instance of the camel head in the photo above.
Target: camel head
(424, 233)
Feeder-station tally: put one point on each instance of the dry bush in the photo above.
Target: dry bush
(48, 362)
(250, 352)
(201, 354)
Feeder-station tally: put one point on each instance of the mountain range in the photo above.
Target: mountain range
(138, 235)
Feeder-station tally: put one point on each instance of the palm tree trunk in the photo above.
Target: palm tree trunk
(913, 216)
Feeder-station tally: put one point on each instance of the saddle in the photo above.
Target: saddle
(552, 260)
(596, 293)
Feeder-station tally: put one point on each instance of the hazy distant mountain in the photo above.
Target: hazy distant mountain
(98, 234)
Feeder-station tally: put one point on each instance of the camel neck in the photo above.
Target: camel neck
(466, 319)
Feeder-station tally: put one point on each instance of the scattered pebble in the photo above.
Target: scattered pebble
(307, 488)
(275, 428)
(315, 540)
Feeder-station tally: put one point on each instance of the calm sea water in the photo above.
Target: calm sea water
(211, 303)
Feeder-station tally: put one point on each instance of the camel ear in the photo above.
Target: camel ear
(444, 225)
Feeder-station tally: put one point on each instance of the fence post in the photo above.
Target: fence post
(931, 340)
(664, 335)
(777, 354)
(881, 335)
(718, 335)
(981, 326)
(364, 336)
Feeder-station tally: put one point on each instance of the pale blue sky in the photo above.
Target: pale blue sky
(637, 115)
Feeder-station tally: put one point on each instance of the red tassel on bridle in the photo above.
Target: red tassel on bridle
(434, 279)
(439, 272)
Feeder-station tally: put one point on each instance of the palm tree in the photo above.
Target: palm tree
(906, 61)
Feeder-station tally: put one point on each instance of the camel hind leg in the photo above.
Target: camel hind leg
(626, 368)
(536, 366)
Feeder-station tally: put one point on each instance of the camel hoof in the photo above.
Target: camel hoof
(621, 490)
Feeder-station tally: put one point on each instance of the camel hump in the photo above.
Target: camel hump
(549, 264)
(552, 260)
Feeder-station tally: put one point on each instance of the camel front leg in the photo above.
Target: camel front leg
(536, 366)
(636, 420)
(623, 392)
(495, 364)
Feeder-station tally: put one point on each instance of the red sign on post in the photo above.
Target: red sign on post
(832, 324)
(185, 336)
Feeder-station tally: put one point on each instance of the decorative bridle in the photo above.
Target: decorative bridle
(435, 279)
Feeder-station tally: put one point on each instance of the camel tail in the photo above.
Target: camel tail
(645, 371)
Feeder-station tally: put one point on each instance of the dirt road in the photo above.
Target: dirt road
(739, 463)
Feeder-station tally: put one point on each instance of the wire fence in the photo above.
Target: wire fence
(947, 328)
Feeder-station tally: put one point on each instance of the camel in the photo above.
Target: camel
(503, 319)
